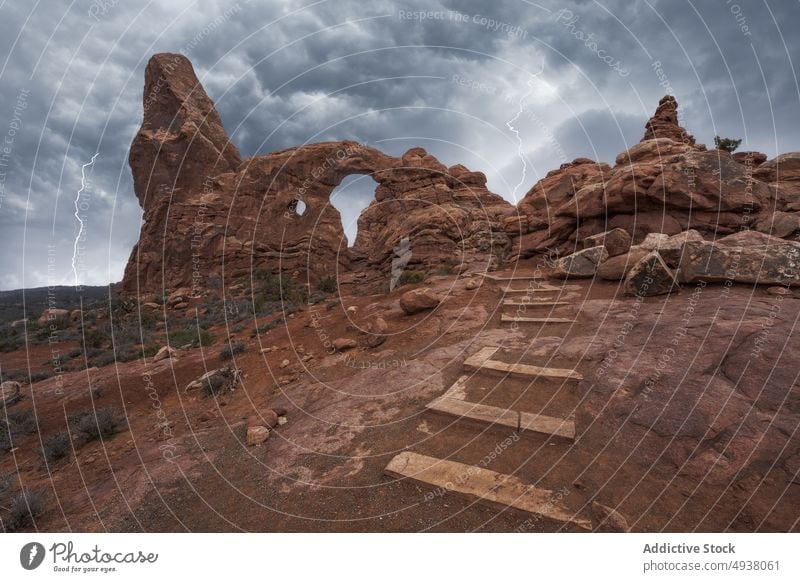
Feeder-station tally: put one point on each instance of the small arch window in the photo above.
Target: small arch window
(297, 207)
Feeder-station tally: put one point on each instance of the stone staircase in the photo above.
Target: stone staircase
(529, 400)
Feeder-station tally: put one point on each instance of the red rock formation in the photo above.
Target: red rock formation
(210, 215)
(666, 183)
(665, 123)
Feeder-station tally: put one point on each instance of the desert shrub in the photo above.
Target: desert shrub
(56, 447)
(190, 336)
(214, 385)
(96, 424)
(25, 508)
(151, 350)
(230, 349)
(446, 268)
(39, 376)
(328, 284)
(13, 424)
(6, 481)
(269, 288)
(333, 304)
(411, 277)
(726, 143)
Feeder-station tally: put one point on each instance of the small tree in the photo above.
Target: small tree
(726, 143)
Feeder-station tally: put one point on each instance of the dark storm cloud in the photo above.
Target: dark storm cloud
(378, 72)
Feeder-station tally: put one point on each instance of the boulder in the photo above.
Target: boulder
(267, 417)
(9, 392)
(580, 264)
(653, 241)
(343, 344)
(650, 276)
(617, 241)
(780, 224)
(418, 300)
(164, 353)
(772, 264)
(376, 332)
(473, 284)
(609, 520)
(52, 315)
(256, 435)
(616, 268)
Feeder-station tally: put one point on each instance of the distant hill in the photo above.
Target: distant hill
(36, 300)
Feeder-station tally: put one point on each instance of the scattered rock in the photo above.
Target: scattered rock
(610, 520)
(616, 268)
(580, 264)
(343, 344)
(164, 353)
(10, 392)
(473, 284)
(216, 381)
(285, 363)
(617, 241)
(412, 302)
(181, 305)
(653, 241)
(257, 435)
(778, 291)
(650, 276)
(780, 224)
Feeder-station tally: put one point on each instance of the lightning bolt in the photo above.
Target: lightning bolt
(516, 133)
(77, 215)
(32, 554)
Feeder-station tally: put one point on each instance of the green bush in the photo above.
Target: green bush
(269, 288)
(411, 277)
(55, 447)
(96, 424)
(229, 350)
(190, 335)
(16, 423)
(25, 508)
(727, 144)
(328, 284)
(446, 268)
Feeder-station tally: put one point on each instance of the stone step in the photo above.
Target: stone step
(520, 319)
(512, 303)
(543, 289)
(517, 277)
(482, 360)
(483, 486)
(514, 419)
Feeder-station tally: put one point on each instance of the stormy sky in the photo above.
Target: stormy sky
(512, 88)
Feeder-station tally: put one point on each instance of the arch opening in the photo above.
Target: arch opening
(351, 197)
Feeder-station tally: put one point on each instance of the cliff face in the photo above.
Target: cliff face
(209, 214)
